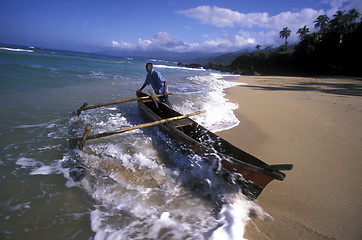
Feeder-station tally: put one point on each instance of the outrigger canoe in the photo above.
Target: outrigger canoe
(250, 172)
(233, 163)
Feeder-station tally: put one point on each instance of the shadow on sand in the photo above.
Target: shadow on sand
(353, 87)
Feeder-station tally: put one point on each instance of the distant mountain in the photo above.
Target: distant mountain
(186, 57)
(223, 59)
(219, 61)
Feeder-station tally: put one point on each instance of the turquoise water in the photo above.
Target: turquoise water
(138, 185)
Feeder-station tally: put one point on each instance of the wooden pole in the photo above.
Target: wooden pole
(153, 98)
(84, 106)
(104, 134)
(84, 137)
(79, 110)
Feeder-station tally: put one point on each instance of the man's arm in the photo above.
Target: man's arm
(143, 86)
(164, 86)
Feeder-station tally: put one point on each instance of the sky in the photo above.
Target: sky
(155, 25)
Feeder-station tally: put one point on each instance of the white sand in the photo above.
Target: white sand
(315, 124)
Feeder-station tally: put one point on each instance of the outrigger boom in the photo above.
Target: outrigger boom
(84, 106)
(86, 135)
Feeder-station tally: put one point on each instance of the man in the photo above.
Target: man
(157, 82)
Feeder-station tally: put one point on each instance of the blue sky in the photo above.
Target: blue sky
(177, 26)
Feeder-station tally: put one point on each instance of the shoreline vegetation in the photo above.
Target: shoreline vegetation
(333, 49)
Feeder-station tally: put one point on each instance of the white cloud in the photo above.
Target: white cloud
(122, 44)
(160, 41)
(164, 41)
(115, 43)
(225, 43)
(342, 5)
(254, 28)
(265, 38)
(357, 4)
(143, 44)
(222, 17)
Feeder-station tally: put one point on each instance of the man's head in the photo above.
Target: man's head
(149, 67)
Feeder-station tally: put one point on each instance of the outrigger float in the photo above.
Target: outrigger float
(250, 172)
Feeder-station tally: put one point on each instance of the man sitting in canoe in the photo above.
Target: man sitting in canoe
(157, 82)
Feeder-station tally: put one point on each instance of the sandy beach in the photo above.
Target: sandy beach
(315, 124)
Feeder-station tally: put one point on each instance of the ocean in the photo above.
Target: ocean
(136, 185)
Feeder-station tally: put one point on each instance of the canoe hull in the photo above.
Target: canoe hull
(248, 171)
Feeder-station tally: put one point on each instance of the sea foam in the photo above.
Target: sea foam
(178, 67)
(219, 111)
(15, 49)
(144, 184)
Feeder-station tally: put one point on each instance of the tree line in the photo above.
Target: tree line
(334, 48)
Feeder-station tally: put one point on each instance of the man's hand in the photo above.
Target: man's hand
(164, 86)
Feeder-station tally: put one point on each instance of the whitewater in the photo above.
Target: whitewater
(137, 185)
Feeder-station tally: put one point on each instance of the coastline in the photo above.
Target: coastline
(315, 124)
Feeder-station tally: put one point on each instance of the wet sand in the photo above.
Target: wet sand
(315, 124)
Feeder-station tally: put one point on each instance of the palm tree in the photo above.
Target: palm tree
(285, 33)
(302, 32)
(351, 18)
(339, 21)
(258, 47)
(353, 15)
(268, 48)
(344, 23)
(321, 23)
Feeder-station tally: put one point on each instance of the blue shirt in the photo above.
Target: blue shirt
(156, 80)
